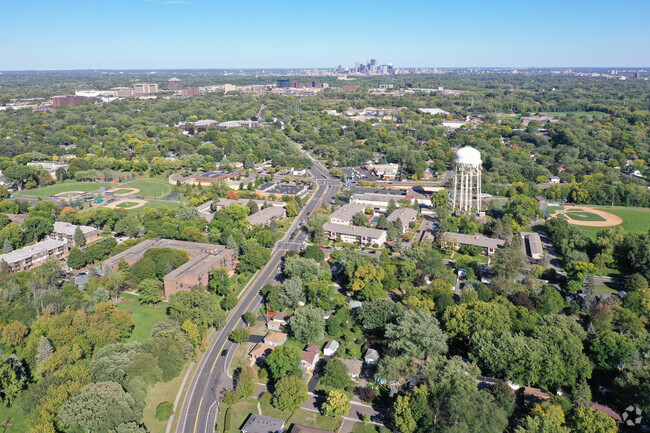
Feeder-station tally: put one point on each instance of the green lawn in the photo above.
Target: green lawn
(634, 220)
(150, 205)
(552, 209)
(143, 316)
(150, 188)
(314, 419)
(64, 187)
(602, 288)
(127, 204)
(268, 410)
(239, 413)
(15, 415)
(368, 428)
(160, 392)
(583, 216)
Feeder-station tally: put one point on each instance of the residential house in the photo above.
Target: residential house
(262, 424)
(330, 348)
(275, 339)
(283, 318)
(554, 180)
(274, 325)
(312, 348)
(371, 357)
(354, 367)
(261, 351)
(308, 361)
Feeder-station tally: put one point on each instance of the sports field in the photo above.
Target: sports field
(63, 188)
(583, 216)
(634, 219)
(150, 188)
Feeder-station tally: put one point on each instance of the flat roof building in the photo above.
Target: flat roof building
(65, 232)
(35, 255)
(533, 246)
(354, 234)
(281, 190)
(215, 176)
(203, 259)
(266, 215)
(344, 214)
(174, 84)
(490, 245)
(405, 214)
(67, 100)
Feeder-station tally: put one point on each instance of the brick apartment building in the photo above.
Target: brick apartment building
(203, 259)
(69, 100)
(65, 232)
(175, 84)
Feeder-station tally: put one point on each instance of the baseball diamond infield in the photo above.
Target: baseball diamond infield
(136, 203)
(124, 191)
(609, 218)
(69, 193)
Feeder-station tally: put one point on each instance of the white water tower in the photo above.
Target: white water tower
(468, 175)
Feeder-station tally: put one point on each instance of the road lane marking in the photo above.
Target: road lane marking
(206, 424)
(196, 421)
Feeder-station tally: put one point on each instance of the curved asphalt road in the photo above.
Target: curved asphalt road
(200, 405)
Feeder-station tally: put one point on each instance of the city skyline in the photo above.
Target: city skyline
(198, 34)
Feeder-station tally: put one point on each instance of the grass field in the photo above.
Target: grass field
(314, 419)
(161, 392)
(64, 187)
(15, 415)
(368, 428)
(143, 316)
(127, 204)
(151, 204)
(150, 188)
(634, 220)
(583, 216)
(239, 413)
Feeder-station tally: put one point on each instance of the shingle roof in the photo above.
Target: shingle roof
(479, 241)
(262, 424)
(344, 229)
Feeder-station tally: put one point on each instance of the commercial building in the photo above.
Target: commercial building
(190, 91)
(215, 176)
(284, 84)
(266, 215)
(68, 100)
(225, 202)
(35, 255)
(273, 189)
(203, 259)
(65, 232)
(123, 92)
(204, 124)
(378, 202)
(238, 124)
(489, 245)
(144, 88)
(174, 84)
(49, 166)
(353, 234)
(384, 171)
(405, 214)
(344, 214)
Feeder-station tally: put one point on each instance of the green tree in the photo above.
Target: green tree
(284, 361)
(79, 238)
(11, 383)
(150, 291)
(336, 374)
(292, 293)
(198, 306)
(164, 410)
(250, 318)
(290, 393)
(14, 333)
(128, 226)
(240, 335)
(100, 407)
(337, 403)
(314, 252)
(220, 281)
(404, 420)
(462, 321)
(587, 420)
(247, 381)
(7, 247)
(308, 324)
(253, 257)
(416, 335)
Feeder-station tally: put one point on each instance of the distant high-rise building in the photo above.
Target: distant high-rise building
(373, 65)
(190, 92)
(69, 100)
(284, 84)
(175, 84)
(297, 85)
(357, 67)
(145, 88)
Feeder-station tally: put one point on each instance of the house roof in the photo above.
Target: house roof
(281, 316)
(354, 366)
(332, 344)
(262, 349)
(266, 215)
(479, 241)
(309, 357)
(606, 410)
(312, 348)
(262, 424)
(371, 354)
(347, 211)
(69, 229)
(353, 230)
(276, 337)
(404, 214)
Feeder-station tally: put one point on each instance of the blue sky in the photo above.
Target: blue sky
(180, 34)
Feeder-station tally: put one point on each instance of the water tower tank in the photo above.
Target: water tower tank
(468, 155)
